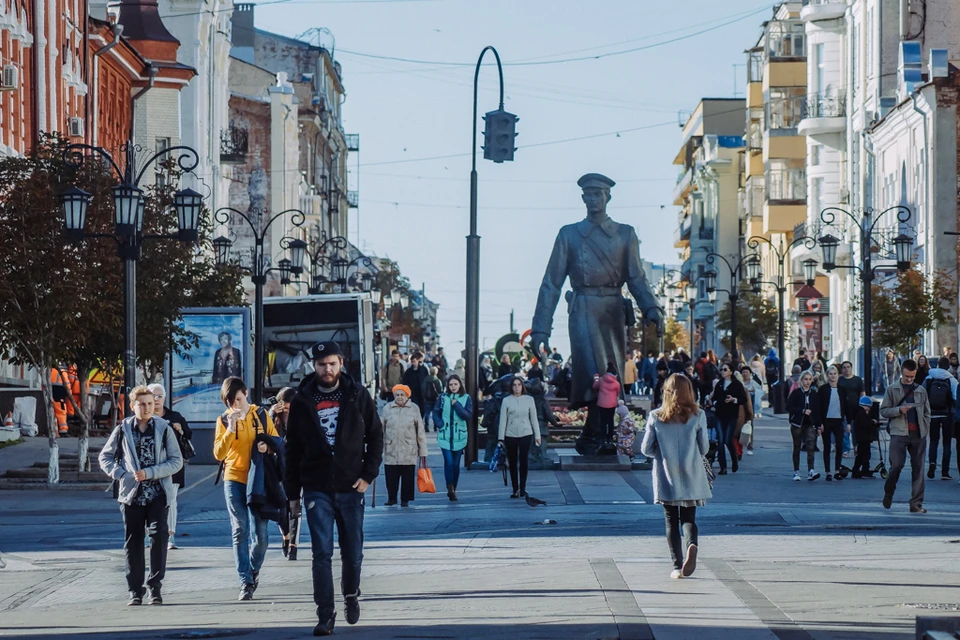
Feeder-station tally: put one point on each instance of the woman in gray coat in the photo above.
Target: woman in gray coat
(676, 439)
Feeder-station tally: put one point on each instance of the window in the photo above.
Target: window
(786, 180)
(161, 144)
(821, 86)
(816, 186)
(786, 40)
(784, 108)
(755, 66)
(815, 155)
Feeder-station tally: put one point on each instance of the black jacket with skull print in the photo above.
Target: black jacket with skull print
(358, 445)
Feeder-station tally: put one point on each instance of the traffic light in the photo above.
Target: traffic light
(499, 134)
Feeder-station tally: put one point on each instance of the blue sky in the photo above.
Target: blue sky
(417, 211)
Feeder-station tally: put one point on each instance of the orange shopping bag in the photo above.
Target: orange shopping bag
(425, 480)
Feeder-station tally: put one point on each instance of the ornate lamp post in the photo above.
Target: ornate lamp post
(129, 204)
(661, 291)
(782, 254)
(866, 224)
(733, 292)
(260, 268)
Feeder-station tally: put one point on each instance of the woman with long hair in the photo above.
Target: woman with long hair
(923, 368)
(759, 371)
(728, 396)
(289, 526)
(833, 404)
(451, 417)
(518, 427)
(803, 407)
(676, 438)
(819, 375)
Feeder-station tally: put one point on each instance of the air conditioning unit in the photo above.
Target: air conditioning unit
(11, 78)
(76, 127)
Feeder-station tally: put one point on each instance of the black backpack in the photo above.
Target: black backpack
(940, 393)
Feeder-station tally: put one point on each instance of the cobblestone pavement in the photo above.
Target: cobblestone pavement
(779, 559)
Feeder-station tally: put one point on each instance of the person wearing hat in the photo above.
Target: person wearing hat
(334, 449)
(599, 256)
(183, 432)
(866, 430)
(404, 444)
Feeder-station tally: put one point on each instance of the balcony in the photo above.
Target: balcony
(684, 184)
(681, 237)
(823, 114)
(353, 141)
(816, 10)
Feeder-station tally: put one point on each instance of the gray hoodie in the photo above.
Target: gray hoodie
(169, 458)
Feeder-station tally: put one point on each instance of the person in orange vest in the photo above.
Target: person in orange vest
(59, 400)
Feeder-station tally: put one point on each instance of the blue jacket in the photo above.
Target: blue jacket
(452, 418)
(265, 494)
(648, 369)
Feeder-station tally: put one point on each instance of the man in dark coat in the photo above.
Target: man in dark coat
(414, 377)
(334, 448)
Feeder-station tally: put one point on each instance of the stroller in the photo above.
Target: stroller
(883, 440)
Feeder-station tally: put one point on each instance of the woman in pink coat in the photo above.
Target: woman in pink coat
(608, 390)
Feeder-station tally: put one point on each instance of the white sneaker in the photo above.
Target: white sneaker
(676, 574)
(796, 476)
(749, 452)
(813, 475)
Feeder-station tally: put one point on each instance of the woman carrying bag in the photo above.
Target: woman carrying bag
(404, 443)
(676, 438)
(450, 418)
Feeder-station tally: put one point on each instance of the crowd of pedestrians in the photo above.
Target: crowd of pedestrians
(318, 447)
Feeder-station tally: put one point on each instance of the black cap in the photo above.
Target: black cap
(324, 349)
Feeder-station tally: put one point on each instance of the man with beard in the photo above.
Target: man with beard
(334, 449)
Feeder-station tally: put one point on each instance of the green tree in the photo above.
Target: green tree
(910, 305)
(757, 323)
(675, 335)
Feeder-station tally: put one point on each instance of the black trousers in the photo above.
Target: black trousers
(138, 521)
(518, 453)
(899, 446)
(861, 464)
(606, 421)
(834, 427)
(402, 477)
(807, 437)
(677, 519)
(938, 427)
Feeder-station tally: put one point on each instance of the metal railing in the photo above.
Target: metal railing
(809, 2)
(233, 144)
(820, 106)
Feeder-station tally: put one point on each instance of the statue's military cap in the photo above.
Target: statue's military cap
(595, 180)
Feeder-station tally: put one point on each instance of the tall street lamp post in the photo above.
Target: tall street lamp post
(782, 254)
(688, 295)
(260, 268)
(866, 224)
(661, 291)
(498, 146)
(733, 292)
(129, 204)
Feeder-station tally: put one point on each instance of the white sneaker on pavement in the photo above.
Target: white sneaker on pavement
(796, 476)
(676, 574)
(749, 452)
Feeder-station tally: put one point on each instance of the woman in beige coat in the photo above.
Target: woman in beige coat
(404, 443)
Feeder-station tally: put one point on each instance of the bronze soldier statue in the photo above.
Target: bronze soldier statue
(600, 256)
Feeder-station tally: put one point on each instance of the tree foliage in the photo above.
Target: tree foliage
(757, 323)
(910, 305)
(63, 302)
(675, 335)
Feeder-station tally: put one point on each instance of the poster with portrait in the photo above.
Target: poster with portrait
(194, 376)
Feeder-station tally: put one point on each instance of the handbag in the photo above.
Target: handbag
(186, 448)
(746, 432)
(425, 480)
(708, 469)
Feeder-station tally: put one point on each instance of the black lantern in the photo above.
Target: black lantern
(188, 202)
(126, 202)
(691, 292)
(366, 282)
(829, 244)
(74, 202)
(809, 270)
(711, 278)
(141, 208)
(904, 248)
(298, 250)
(753, 270)
(284, 265)
(375, 296)
(395, 296)
(339, 269)
(221, 250)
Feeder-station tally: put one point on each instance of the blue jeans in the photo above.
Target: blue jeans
(725, 430)
(451, 466)
(323, 509)
(249, 544)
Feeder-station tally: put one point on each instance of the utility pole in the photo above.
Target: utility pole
(511, 321)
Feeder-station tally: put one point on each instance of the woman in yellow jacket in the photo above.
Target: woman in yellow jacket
(233, 443)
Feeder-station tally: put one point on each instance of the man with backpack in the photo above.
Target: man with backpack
(942, 390)
(432, 388)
